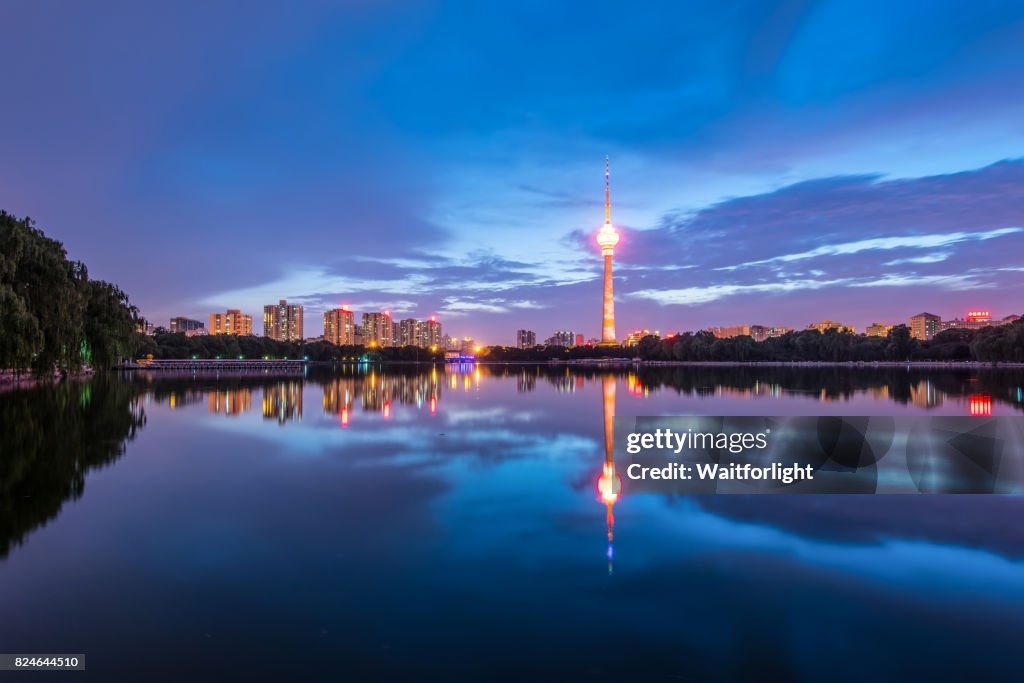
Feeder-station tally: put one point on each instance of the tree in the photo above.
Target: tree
(21, 339)
(900, 344)
(51, 313)
(110, 324)
(649, 348)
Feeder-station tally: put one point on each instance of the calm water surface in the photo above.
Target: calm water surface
(446, 524)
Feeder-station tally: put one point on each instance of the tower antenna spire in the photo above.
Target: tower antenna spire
(607, 192)
(607, 238)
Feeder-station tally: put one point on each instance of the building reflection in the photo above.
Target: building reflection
(563, 382)
(232, 401)
(338, 398)
(980, 405)
(377, 392)
(925, 394)
(634, 387)
(526, 380)
(181, 399)
(609, 484)
(380, 389)
(283, 401)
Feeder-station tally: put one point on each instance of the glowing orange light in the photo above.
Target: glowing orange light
(607, 238)
(433, 405)
(387, 409)
(609, 484)
(344, 417)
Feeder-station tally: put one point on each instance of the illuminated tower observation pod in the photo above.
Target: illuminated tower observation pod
(607, 238)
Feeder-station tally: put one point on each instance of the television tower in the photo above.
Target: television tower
(607, 238)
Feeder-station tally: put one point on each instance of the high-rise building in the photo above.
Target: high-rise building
(607, 238)
(377, 329)
(562, 338)
(430, 335)
(579, 340)
(924, 326)
(878, 330)
(407, 332)
(283, 321)
(340, 326)
(233, 322)
(182, 324)
(526, 339)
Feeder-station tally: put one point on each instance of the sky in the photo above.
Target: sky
(771, 163)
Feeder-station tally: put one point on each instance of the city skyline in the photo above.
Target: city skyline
(341, 328)
(772, 165)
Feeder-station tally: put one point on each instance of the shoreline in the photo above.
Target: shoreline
(620, 362)
(838, 364)
(10, 380)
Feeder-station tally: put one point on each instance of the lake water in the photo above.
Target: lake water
(418, 524)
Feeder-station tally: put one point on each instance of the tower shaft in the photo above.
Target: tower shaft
(608, 318)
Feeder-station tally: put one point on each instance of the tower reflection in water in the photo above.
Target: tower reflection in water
(609, 484)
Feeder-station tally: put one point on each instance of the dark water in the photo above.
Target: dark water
(433, 525)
